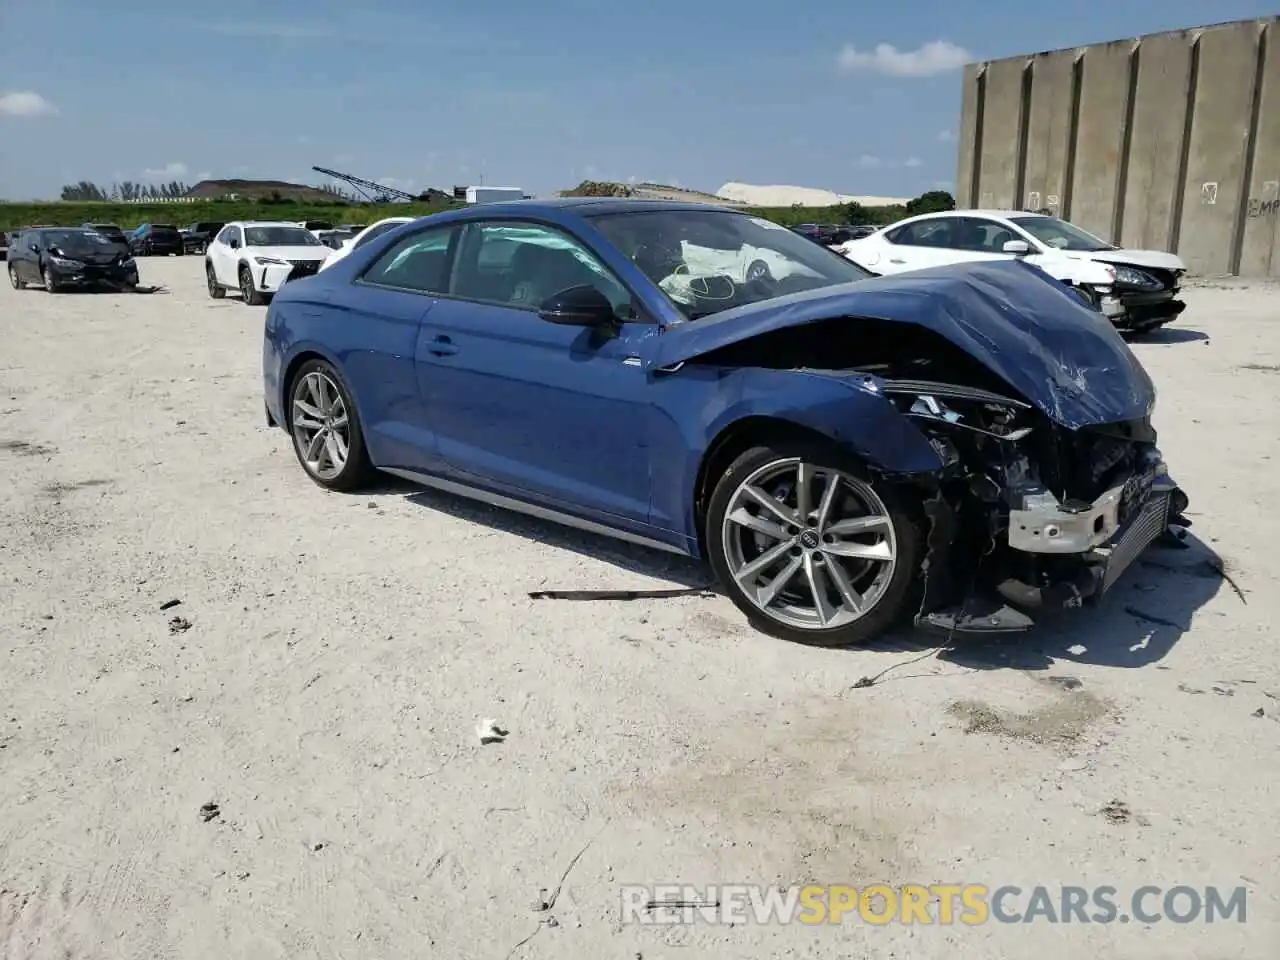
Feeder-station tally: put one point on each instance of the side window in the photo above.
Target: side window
(935, 232)
(374, 233)
(223, 235)
(522, 264)
(418, 262)
(984, 236)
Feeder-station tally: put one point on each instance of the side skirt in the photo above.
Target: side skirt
(533, 510)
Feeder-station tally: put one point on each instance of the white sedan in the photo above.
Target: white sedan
(1135, 289)
(258, 258)
(364, 236)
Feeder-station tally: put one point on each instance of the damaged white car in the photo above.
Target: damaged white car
(1135, 289)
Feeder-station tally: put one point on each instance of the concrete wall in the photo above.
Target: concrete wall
(1169, 141)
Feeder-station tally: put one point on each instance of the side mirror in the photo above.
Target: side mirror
(233, 243)
(583, 306)
(1018, 248)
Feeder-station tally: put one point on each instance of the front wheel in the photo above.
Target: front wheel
(248, 292)
(325, 429)
(216, 290)
(50, 281)
(14, 279)
(809, 547)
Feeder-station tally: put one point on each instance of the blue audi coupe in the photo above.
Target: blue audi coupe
(961, 447)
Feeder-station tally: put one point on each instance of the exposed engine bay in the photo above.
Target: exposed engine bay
(1025, 515)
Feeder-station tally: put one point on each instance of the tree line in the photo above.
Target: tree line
(128, 190)
(124, 191)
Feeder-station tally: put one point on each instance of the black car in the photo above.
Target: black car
(108, 230)
(156, 239)
(824, 233)
(196, 237)
(59, 258)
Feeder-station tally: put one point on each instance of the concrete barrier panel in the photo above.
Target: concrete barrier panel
(1260, 255)
(1152, 190)
(1001, 117)
(967, 136)
(1048, 131)
(1212, 195)
(1104, 94)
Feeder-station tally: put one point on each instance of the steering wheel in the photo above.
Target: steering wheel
(759, 270)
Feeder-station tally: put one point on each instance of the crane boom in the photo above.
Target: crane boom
(377, 192)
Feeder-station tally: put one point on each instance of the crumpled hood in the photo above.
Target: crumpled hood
(1140, 258)
(1059, 355)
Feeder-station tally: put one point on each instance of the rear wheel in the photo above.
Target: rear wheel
(809, 547)
(248, 292)
(17, 281)
(50, 281)
(325, 429)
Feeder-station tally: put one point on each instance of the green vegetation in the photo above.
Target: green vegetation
(128, 215)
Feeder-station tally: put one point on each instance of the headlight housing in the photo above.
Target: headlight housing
(1133, 277)
(270, 261)
(65, 262)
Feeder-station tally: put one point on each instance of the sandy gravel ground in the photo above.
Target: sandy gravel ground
(341, 649)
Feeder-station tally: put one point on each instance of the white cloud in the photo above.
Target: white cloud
(304, 139)
(25, 103)
(936, 56)
(913, 162)
(947, 136)
(204, 175)
(868, 161)
(170, 171)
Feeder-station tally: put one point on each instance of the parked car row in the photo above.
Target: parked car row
(846, 451)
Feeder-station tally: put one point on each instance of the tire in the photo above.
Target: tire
(882, 578)
(216, 290)
(17, 281)
(315, 382)
(50, 284)
(248, 292)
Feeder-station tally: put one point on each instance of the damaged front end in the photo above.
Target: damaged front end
(1028, 517)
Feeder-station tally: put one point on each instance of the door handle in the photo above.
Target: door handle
(896, 260)
(442, 346)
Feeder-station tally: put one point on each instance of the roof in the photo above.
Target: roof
(584, 206)
(996, 214)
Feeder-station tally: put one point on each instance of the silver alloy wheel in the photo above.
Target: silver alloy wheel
(321, 425)
(811, 547)
(13, 277)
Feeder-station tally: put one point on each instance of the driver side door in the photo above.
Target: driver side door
(544, 412)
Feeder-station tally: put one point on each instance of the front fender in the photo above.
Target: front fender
(843, 408)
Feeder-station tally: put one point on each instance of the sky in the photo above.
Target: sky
(856, 97)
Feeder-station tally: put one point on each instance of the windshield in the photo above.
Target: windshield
(712, 260)
(79, 242)
(279, 237)
(1060, 235)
